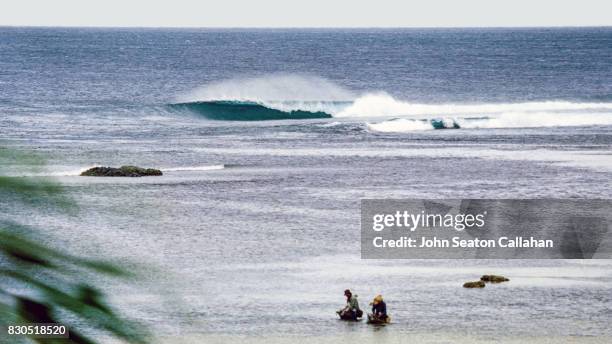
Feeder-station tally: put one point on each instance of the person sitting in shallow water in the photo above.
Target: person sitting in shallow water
(379, 309)
(351, 310)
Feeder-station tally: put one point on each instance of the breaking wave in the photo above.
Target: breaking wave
(225, 110)
(504, 120)
(405, 125)
(281, 97)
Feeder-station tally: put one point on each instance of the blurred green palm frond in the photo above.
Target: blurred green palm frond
(41, 284)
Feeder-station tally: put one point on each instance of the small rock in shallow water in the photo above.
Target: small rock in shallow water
(493, 278)
(476, 284)
(123, 171)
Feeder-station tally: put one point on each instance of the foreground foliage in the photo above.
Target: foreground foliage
(41, 284)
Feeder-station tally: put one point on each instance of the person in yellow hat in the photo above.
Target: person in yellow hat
(379, 309)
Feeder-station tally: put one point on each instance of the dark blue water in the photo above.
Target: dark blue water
(257, 214)
(123, 67)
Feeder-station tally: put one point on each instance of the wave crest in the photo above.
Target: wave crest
(278, 97)
(245, 111)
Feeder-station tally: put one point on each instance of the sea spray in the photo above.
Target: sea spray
(271, 88)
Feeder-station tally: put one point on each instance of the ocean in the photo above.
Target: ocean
(269, 138)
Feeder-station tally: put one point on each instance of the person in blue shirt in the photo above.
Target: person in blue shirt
(379, 309)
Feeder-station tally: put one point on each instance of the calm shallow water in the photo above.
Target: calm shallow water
(266, 244)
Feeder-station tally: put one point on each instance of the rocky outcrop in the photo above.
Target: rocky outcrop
(123, 171)
(476, 284)
(493, 278)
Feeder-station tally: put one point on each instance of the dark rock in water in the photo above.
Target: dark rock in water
(493, 278)
(123, 171)
(476, 284)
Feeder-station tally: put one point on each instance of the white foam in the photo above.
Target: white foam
(194, 168)
(593, 159)
(329, 107)
(330, 124)
(48, 171)
(504, 120)
(399, 125)
(540, 119)
(383, 105)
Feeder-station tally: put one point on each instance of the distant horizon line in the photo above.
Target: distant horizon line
(300, 27)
